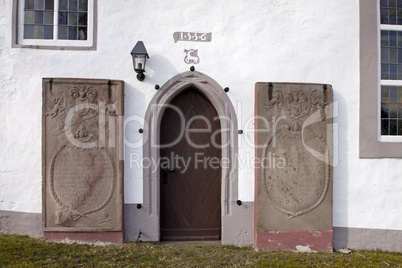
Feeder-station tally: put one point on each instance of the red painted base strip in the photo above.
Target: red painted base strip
(113, 237)
(280, 240)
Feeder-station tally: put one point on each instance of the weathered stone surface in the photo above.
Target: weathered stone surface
(22, 223)
(294, 179)
(82, 148)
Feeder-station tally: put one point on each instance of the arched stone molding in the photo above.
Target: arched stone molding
(150, 226)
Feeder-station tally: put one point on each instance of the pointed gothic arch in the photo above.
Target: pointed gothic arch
(229, 180)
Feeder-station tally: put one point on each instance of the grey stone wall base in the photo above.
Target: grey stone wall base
(137, 220)
(361, 238)
(238, 229)
(22, 223)
(238, 225)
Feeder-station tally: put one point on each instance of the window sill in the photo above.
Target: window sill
(54, 47)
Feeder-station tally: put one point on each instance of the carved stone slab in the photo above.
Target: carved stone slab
(81, 156)
(294, 179)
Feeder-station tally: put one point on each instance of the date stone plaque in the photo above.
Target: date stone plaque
(294, 143)
(82, 159)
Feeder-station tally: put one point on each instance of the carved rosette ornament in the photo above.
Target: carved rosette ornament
(83, 96)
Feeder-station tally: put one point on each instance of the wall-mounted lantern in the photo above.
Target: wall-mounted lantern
(139, 55)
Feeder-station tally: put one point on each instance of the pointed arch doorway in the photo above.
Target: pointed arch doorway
(190, 181)
(148, 222)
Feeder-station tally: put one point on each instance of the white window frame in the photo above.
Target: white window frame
(55, 42)
(387, 82)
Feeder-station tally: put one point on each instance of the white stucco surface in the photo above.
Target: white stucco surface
(312, 41)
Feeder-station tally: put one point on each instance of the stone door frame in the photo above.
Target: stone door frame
(229, 180)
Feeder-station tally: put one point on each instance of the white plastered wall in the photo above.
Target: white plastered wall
(252, 41)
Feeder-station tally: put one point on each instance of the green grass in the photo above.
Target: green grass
(22, 251)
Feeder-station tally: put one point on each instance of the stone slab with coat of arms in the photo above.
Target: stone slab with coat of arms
(294, 143)
(82, 159)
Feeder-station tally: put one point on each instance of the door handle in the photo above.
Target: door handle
(166, 170)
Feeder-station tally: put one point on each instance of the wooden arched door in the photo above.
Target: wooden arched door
(190, 176)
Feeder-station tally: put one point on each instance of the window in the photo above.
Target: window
(391, 110)
(380, 44)
(55, 23)
(391, 68)
(38, 19)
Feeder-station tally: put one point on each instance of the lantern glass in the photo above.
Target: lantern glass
(139, 63)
